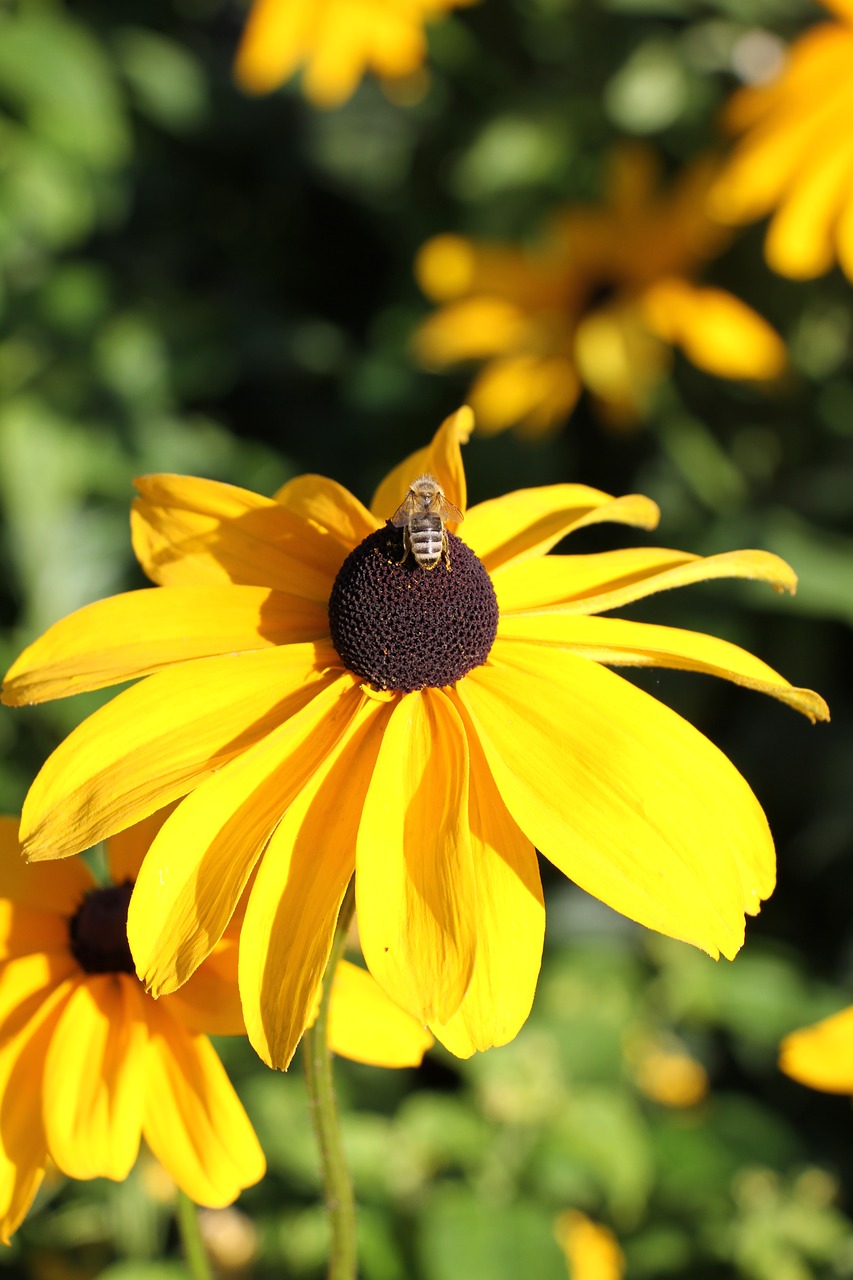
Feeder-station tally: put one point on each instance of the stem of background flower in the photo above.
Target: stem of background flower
(197, 1260)
(317, 1059)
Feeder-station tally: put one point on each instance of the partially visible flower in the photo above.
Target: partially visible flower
(325, 708)
(598, 302)
(794, 157)
(821, 1055)
(90, 1064)
(336, 42)
(665, 1072)
(591, 1250)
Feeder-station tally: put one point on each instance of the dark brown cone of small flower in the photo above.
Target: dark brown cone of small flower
(99, 931)
(403, 627)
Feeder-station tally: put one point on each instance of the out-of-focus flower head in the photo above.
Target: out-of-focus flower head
(90, 1063)
(591, 1250)
(598, 302)
(795, 153)
(335, 42)
(326, 706)
(664, 1071)
(821, 1055)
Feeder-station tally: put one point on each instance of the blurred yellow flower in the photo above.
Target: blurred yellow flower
(821, 1055)
(591, 1250)
(795, 153)
(335, 42)
(599, 303)
(328, 707)
(665, 1072)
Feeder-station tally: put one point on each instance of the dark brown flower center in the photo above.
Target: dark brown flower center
(404, 627)
(99, 931)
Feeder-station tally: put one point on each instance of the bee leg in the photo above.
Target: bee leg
(407, 546)
(445, 550)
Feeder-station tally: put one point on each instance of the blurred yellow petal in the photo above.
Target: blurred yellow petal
(841, 8)
(844, 237)
(415, 888)
(523, 525)
(294, 903)
(94, 1076)
(717, 331)
(126, 850)
(591, 1250)
(330, 507)
(618, 359)
(209, 1001)
(616, 642)
(534, 391)
(510, 915)
(799, 242)
(56, 891)
(821, 1056)
(200, 861)
(442, 458)
(133, 635)
(273, 43)
(193, 1120)
(472, 329)
(365, 1025)
(664, 1071)
(649, 817)
(27, 983)
(160, 738)
(195, 533)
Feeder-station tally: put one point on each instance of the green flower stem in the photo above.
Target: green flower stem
(317, 1059)
(188, 1229)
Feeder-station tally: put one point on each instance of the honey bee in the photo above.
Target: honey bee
(421, 516)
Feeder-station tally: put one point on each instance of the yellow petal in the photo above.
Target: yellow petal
(473, 329)
(618, 359)
(510, 914)
(160, 738)
(126, 850)
(331, 508)
(844, 237)
(368, 1027)
(194, 1123)
(799, 242)
(821, 1055)
(56, 891)
(841, 8)
(591, 1249)
(442, 458)
(273, 43)
(527, 523)
(294, 903)
(611, 579)
(622, 795)
(635, 644)
(531, 391)
(94, 1078)
(136, 634)
(209, 1001)
(415, 890)
(200, 862)
(26, 986)
(189, 532)
(717, 331)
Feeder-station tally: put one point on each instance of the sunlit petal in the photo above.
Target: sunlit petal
(55, 890)
(716, 330)
(442, 458)
(160, 738)
(209, 1001)
(365, 1025)
(533, 391)
(126, 850)
(133, 635)
(330, 507)
(821, 1055)
(415, 891)
(621, 794)
(799, 242)
(193, 1120)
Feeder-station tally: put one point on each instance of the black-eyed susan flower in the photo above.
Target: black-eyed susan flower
(90, 1064)
(328, 707)
(794, 156)
(598, 303)
(821, 1055)
(335, 42)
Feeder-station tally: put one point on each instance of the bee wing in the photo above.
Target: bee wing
(406, 510)
(448, 511)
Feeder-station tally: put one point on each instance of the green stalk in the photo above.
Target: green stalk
(188, 1229)
(317, 1059)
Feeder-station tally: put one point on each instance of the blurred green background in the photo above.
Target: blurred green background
(193, 280)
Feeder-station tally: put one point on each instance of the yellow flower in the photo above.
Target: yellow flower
(336, 41)
(795, 155)
(590, 1249)
(822, 1055)
(598, 303)
(664, 1071)
(89, 1063)
(327, 707)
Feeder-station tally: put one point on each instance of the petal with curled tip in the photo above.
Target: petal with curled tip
(621, 794)
(441, 458)
(330, 507)
(189, 532)
(529, 522)
(157, 740)
(136, 634)
(294, 904)
(415, 889)
(616, 642)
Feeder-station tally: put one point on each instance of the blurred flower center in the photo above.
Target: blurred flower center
(404, 627)
(99, 931)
